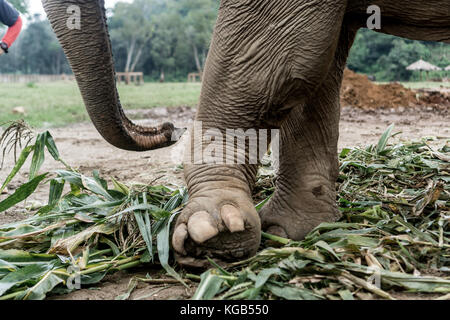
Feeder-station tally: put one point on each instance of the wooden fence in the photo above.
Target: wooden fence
(26, 78)
(128, 77)
(193, 77)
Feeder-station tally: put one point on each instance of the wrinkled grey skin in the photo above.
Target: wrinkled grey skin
(272, 64)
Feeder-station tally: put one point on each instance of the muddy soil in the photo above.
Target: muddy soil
(358, 91)
(82, 147)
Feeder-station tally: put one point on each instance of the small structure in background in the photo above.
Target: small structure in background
(447, 69)
(423, 66)
(128, 77)
(192, 77)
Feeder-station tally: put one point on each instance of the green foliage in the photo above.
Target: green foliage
(172, 37)
(20, 5)
(393, 236)
(394, 231)
(387, 57)
(131, 27)
(99, 211)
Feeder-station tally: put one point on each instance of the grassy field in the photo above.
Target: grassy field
(422, 85)
(58, 104)
(426, 85)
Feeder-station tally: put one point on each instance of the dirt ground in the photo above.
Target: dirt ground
(82, 147)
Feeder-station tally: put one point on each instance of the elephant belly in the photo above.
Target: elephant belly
(412, 19)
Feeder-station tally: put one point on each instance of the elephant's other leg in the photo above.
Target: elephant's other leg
(305, 193)
(257, 52)
(305, 186)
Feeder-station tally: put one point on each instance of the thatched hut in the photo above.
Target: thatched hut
(422, 65)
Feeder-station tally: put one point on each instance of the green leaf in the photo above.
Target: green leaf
(46, 284)
(22, 275)
(96, 187)
(56, 190)
(209, 286)
(73, 178)
(102, 182)
(112, 245)
(145, 229)
(15, 257)
(344, 152)
(260, 205)
(120, 187)
(5, 265)
(23, 192)
(38, 155)
(362, 241)
(421, 235)
(291, 293)
(265, 275)
(88, 279)
(327, 247)
(163, 244)
(346, 295)
(22, 158)
(51, 146)
(384, 139)
(20, 230)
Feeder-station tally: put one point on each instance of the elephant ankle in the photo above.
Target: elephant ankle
(209, 177)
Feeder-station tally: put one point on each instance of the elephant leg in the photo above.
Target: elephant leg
(305, 193)
(220, 219)
(261, 52)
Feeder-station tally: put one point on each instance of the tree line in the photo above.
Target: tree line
(167, 39)
(386, 57)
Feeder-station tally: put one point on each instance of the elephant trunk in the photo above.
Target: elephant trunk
(88, 50)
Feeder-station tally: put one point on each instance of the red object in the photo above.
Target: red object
(13, 32)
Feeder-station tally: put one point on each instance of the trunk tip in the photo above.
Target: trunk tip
(172, 134)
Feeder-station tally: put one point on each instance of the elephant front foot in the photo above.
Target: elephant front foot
(296, 214)
(220, 220)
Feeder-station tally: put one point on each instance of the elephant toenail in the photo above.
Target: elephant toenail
(179, 236)
(232, 218)
(202, 227)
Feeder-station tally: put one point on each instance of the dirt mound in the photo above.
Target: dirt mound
(358, 91)
(431, 97)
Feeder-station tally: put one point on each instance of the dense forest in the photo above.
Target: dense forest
(171, 38)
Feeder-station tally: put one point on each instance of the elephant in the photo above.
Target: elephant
(272, 64)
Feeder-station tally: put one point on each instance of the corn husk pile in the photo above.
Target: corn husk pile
(393, 237)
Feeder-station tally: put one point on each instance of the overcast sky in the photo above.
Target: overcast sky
(35, 6)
